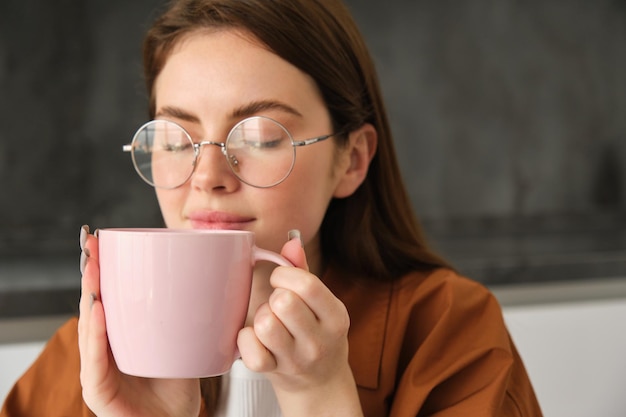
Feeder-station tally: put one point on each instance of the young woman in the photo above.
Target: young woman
(369, 322)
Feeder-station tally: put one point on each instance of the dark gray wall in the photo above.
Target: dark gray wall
(509, 119)
(506, 107)
(71, 95)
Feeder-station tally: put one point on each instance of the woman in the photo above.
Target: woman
(369, 321)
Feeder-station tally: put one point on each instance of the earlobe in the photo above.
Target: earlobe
(362, 144)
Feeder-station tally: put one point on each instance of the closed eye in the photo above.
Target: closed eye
(176, 147)
(264, 144)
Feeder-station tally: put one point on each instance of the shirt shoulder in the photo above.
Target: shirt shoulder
(434, 342)
(51, 386)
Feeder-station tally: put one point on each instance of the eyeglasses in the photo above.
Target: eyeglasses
(260, 152)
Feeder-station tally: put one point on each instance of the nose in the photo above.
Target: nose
(212, 171)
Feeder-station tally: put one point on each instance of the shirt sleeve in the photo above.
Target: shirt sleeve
(51, 386)
(457, 358)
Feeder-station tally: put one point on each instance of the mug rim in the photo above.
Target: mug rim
(174, 231)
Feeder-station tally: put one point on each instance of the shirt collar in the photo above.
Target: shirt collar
(367, 303)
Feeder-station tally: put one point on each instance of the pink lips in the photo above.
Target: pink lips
(218, 220)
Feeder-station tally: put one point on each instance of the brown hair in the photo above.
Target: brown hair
(374, 232)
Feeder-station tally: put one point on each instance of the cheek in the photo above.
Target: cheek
(298, 203)
(289, 211)
(171, 203)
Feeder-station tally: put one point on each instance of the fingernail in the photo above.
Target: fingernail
(92, 299)
(295, 234)
(84, 255)
(84, 231)
(96, 233)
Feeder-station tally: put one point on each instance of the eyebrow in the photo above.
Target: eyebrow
(241, 112)
(259, 106)
(176, 113)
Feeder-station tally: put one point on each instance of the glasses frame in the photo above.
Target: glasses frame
(197, 146)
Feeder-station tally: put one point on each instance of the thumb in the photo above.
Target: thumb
(293, 250)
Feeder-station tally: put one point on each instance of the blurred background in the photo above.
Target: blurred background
(509, 120)
(510, 126)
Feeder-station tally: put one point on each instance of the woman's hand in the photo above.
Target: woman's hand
(106, 390)
(300, 340)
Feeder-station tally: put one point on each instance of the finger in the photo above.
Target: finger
(293, 250)
(272, 333)
(294, 315)
(93, 342)
(90, 282)
(92, 244)
(95, 359)
(310, 289)
(330, 312)
(253, 353)
(84, 231)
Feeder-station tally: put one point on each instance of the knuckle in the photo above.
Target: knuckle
(259, 363)
(315, 352)
(309, 285)
(282, 301)
(343, 323)
(264, 324)
(339, 326)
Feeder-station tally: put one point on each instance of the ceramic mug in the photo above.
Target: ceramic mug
(175, 300)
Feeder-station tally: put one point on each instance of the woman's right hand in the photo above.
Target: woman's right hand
(106, 390)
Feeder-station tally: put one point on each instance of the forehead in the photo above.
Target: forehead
(231, 59)
(212, 75)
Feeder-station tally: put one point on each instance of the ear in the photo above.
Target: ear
(360, 150)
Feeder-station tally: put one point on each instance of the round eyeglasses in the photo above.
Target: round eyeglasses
(260, 152)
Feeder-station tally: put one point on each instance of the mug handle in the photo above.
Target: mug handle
(267, 255)
(259, 254)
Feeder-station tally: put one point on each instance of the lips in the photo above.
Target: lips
(219, 220)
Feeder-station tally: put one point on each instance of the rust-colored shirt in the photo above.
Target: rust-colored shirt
(430, 344)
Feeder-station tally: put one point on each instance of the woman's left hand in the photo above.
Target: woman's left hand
(300, 340)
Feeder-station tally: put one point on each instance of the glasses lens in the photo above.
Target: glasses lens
(163, 154)
(260, 152)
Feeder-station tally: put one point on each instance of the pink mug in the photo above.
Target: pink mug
(174, 300)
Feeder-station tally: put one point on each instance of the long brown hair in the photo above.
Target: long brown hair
(374, 232)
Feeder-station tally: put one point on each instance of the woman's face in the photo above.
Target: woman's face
(211, 81)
